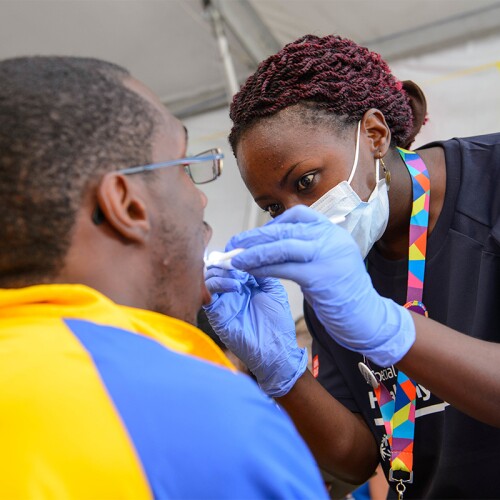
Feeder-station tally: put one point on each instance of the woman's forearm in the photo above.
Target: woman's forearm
(462, 370)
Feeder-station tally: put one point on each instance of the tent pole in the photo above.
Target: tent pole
(217, 23)
(252, 211)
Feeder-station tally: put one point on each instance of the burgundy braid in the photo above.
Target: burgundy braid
(335, 74)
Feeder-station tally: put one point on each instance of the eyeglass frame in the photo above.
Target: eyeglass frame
(98, 216)
(200, 158)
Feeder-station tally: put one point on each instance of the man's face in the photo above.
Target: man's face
(178, 233)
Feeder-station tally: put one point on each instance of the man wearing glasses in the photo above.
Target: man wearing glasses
(107, 389)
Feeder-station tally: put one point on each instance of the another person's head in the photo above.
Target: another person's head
(295, 121)
(68, 215)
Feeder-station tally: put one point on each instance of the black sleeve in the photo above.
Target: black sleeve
(325, 368)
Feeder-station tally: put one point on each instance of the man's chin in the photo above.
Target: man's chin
(205, 295)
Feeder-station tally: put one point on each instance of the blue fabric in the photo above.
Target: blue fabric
(362, 493)
(200, 431)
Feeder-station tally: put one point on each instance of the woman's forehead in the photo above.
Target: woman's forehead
(283, 137)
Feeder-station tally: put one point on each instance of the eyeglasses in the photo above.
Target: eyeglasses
(202, 168)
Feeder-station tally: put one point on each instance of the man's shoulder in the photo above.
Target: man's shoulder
(193, 424)
(188, 402)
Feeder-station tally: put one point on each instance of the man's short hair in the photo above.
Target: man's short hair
(64, 121)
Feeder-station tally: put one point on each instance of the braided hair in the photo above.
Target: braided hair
(330, 77)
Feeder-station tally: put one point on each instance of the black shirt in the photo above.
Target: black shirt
(455, 456)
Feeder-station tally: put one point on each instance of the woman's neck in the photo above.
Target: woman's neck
(394, 243)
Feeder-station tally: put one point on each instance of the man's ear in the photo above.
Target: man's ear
(377, 130)
(418, 105)
(123, 207)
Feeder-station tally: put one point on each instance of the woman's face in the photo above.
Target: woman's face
(285, 162)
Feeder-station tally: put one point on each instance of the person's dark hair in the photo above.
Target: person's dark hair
(64, 121)
(329, 80)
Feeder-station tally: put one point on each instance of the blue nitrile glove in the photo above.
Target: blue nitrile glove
(304, 246)
(252, 317)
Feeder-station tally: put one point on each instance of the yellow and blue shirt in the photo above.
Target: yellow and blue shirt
(105, 401)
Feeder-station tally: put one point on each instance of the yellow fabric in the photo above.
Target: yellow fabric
(60, 434)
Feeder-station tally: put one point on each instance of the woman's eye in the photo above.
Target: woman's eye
(305, 182)
(274, 209)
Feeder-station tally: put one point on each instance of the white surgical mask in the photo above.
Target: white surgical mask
(365, 220)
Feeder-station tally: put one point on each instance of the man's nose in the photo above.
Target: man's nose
(203, 196)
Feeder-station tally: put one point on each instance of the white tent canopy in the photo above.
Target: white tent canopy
(451, 48)
(169, 44)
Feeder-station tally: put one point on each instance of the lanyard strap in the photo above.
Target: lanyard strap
(419, 222)
(398, 413)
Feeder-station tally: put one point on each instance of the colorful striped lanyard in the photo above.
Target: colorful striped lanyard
(399, 413)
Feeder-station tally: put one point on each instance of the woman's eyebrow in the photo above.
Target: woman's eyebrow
(290, 170)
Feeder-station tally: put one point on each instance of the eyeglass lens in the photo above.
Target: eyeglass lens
(205, 171)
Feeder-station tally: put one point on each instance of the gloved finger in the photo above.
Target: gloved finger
(296, 214)
(222, 285)
(241, 276)
(273, 288)
(277, 252)
(348, 277)
(282, 231)
(299, 213)
(287, 271)
(269, 285)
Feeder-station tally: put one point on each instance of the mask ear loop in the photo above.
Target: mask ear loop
(377, 173)
(378, 161)
(356, 155)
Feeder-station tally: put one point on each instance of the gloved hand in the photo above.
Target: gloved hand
(252, 317)
(304, 246)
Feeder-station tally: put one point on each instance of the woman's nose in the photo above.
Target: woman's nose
(293, 202)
